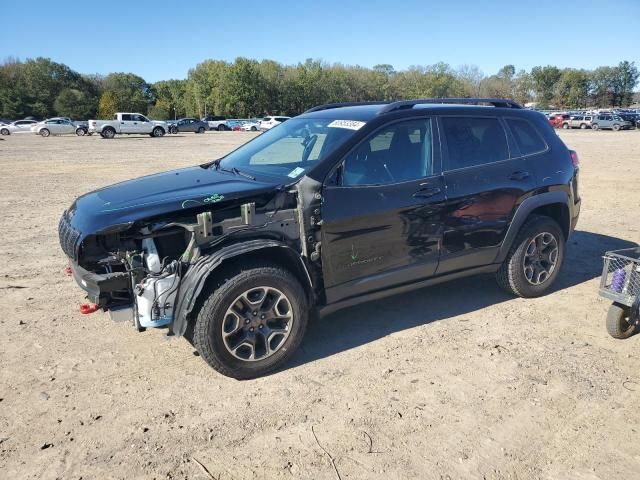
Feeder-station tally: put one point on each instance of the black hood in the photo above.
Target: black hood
(173, 191)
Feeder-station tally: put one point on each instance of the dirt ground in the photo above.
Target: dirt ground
(455, 381)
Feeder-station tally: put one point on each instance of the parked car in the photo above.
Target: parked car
(56, 126)
(128, 124)
(19, 126)
(577, 121)
(251, 126)
(630, 117)
(557, 120)
(216, 122)
(610, 122)
(237, 253)
(269, 122)
(190, 125)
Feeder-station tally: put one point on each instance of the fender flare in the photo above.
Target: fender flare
(196, 276)
(522, 213)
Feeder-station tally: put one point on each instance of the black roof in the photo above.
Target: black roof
(366, 111)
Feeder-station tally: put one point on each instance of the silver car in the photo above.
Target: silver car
(55, 126)
(578, 121)
(610, 121)
(19, 126)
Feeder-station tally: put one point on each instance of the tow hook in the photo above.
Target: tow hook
(87, 308)
(68, 271)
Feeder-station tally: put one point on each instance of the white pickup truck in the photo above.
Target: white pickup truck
(128, 124)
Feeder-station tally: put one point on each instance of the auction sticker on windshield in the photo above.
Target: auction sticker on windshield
(295, 172)
(350, 124)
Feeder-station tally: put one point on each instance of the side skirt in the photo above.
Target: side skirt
(349, 302)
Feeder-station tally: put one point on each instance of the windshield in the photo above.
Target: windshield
(289, 149)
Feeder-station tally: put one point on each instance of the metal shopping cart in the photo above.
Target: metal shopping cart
(621, 283)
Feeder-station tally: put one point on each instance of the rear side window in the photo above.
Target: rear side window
(474, 141)
(527, 137)
(126, 117)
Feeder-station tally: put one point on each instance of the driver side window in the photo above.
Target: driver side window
(399, 152)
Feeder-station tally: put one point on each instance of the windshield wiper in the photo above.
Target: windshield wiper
(216, 163)
(242, 174)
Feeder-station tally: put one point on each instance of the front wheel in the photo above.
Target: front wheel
(201, 130)
(616, 127)
(595, 126)
(252, 321)
(618, 324)
(80, 132)
(254, 129)
(44, 132)
(157, 132)
(565, 126)
(5, 131)
(534, 260)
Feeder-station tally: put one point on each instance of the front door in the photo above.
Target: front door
(381, 218)
(485, 179)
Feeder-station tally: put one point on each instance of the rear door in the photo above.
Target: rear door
(381, 217)
(485, 180)
(126, 124)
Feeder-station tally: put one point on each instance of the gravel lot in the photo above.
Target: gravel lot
(456, 381)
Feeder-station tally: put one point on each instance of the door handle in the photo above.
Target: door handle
(427, 192)
(519, 176)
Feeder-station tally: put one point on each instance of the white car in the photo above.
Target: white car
(270, 122)
(19, 126)
(250, 126)
(56, 126)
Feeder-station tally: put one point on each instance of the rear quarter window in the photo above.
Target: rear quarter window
(527, 137)
(473, 141)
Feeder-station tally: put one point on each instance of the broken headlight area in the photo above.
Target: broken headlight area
(137, 273)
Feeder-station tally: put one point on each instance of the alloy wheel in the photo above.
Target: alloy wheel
(540, 258)
(257, 324)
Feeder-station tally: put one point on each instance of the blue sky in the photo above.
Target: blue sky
(160, 40)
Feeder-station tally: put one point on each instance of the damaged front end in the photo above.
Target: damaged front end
(151, 270)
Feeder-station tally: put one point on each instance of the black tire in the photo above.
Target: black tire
(254, 129)
(222, 294)
(616, 127)
(512, 277)
(108, 133)
(44, 132)
(617, 322)
(221, 128)
(201, 130)
(157, 132)
(80, 132)
(583, 126)
(566, 126)
(5, 131)
(595, 126)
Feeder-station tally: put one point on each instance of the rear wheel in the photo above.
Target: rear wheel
(45, 132)
(565, 126)
(80, 132)
(595, 127)
(254, 129)
(221, 128)
(252, 321)
(108, 133)
(618, 324)
(201, 130)
(616, 127)
(583, 126)
(534, 261)
(5, 131)
(157, 132)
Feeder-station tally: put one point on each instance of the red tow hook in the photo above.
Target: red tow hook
(68, 271)
(87, 308)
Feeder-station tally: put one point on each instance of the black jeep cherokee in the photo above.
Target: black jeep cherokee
(343, 204)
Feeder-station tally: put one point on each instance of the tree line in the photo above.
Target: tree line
(245, 88)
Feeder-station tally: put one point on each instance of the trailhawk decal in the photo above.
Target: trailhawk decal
(350, 124)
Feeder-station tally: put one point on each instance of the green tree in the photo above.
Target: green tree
(132, 93)
(108, 105)
(544, 83)
(75, 104)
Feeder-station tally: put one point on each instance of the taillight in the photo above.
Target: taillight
(574, 158)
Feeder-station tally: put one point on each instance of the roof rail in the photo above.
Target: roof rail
(408, 104)
(329, 106)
